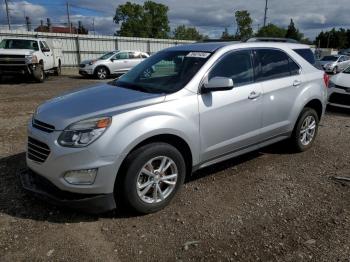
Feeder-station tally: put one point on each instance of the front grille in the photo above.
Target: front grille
(342, 87)
(12, 59)
(43, 126)
(37, 151)
(340, 99)
(82, 65)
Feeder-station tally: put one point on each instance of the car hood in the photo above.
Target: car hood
(85, 62)
(327, 62)
(101, 100)
(341, 79)
(16, 51)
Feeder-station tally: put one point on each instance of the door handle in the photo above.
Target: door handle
(297, 83)
(254, 95)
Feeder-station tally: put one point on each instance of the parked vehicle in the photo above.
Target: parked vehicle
(112, 63)
(30, 56)
(335, 63)
(135, 139)
(344, 52)
(339, 89)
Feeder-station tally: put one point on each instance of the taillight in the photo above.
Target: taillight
(326, 79)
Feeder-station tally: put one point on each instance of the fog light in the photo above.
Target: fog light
(81, 177)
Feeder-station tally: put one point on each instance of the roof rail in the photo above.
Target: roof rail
(273, 39)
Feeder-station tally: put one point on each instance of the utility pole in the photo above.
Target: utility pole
(8, 15)
(28, 23)
(68, 16)
(93, 24)
(265, 15)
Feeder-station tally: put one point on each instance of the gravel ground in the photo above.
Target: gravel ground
(270, 205)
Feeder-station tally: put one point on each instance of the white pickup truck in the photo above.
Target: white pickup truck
(30, 57)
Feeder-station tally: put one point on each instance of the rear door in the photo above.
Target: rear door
(281, 82)
(134, 59)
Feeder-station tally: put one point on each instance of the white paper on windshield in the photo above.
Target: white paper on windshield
(198, 54)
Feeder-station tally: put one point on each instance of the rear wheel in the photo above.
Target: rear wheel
(58, 69)
(305, 131)
(153, 174)
(102, 73)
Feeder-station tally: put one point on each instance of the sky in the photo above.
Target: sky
(209, 16)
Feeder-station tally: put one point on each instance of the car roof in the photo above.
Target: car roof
(214, 46)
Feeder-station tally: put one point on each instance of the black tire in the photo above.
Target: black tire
(126, 188)
(39, 74)
(58, 70)
(297, 136)
(335, 70)
(102, 72)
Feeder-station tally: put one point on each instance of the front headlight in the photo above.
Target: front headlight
(31, 59)
(85, 132)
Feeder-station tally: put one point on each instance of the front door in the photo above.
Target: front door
(231, 120)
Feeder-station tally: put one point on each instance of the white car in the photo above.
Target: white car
(111, 63)
(339, 90)
(335, 63)
(30, 56)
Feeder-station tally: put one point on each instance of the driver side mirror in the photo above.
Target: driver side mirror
(218, 83)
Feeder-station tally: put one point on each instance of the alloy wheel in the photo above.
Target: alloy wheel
(308, 130)
(157, 180)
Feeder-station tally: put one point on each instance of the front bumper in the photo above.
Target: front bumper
(339, 98)
(15, 69)
(44, 189)
(86, 71)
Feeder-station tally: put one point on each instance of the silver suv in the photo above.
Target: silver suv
(112, 63)
(133, 141)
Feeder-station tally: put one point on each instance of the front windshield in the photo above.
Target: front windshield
(329, 58)
(106, 56)
(19, 44)
(165, 72)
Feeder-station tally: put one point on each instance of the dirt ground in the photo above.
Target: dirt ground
(270, 205)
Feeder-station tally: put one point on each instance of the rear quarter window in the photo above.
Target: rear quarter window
(307, 55)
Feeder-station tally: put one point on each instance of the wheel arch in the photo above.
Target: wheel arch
(104, 66)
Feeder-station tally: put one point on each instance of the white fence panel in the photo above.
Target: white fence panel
(76, 48)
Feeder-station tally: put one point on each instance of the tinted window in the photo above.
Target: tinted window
(329, 58)
(273, 64)
(19, 44)
(237, 66)
(307, 55)
(106, 56)
(293, 67)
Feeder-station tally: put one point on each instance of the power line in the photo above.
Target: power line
(68, 16)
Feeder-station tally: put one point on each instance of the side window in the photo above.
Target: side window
(42, 46)
(122, 55)
(237, 66)
(273, 64)
(293, 67)
(134, 55)
(46, 45)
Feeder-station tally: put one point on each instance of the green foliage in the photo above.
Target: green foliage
(187, 33)
(244, 25)
(150, 20)
(293, 32)
(338, 39)
(271, 30)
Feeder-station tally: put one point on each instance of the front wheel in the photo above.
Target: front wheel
(153, 175)
(39, 74)
(102, 73)
(58, 70)
(305, 131)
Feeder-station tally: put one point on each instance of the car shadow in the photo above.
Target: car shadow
(338, 111)
(16, 202)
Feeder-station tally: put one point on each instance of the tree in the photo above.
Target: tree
(150, 20)
(244, 25)
(226, 36)
(271, 30)
(187, 33)
(293, 32)
(334, 38)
